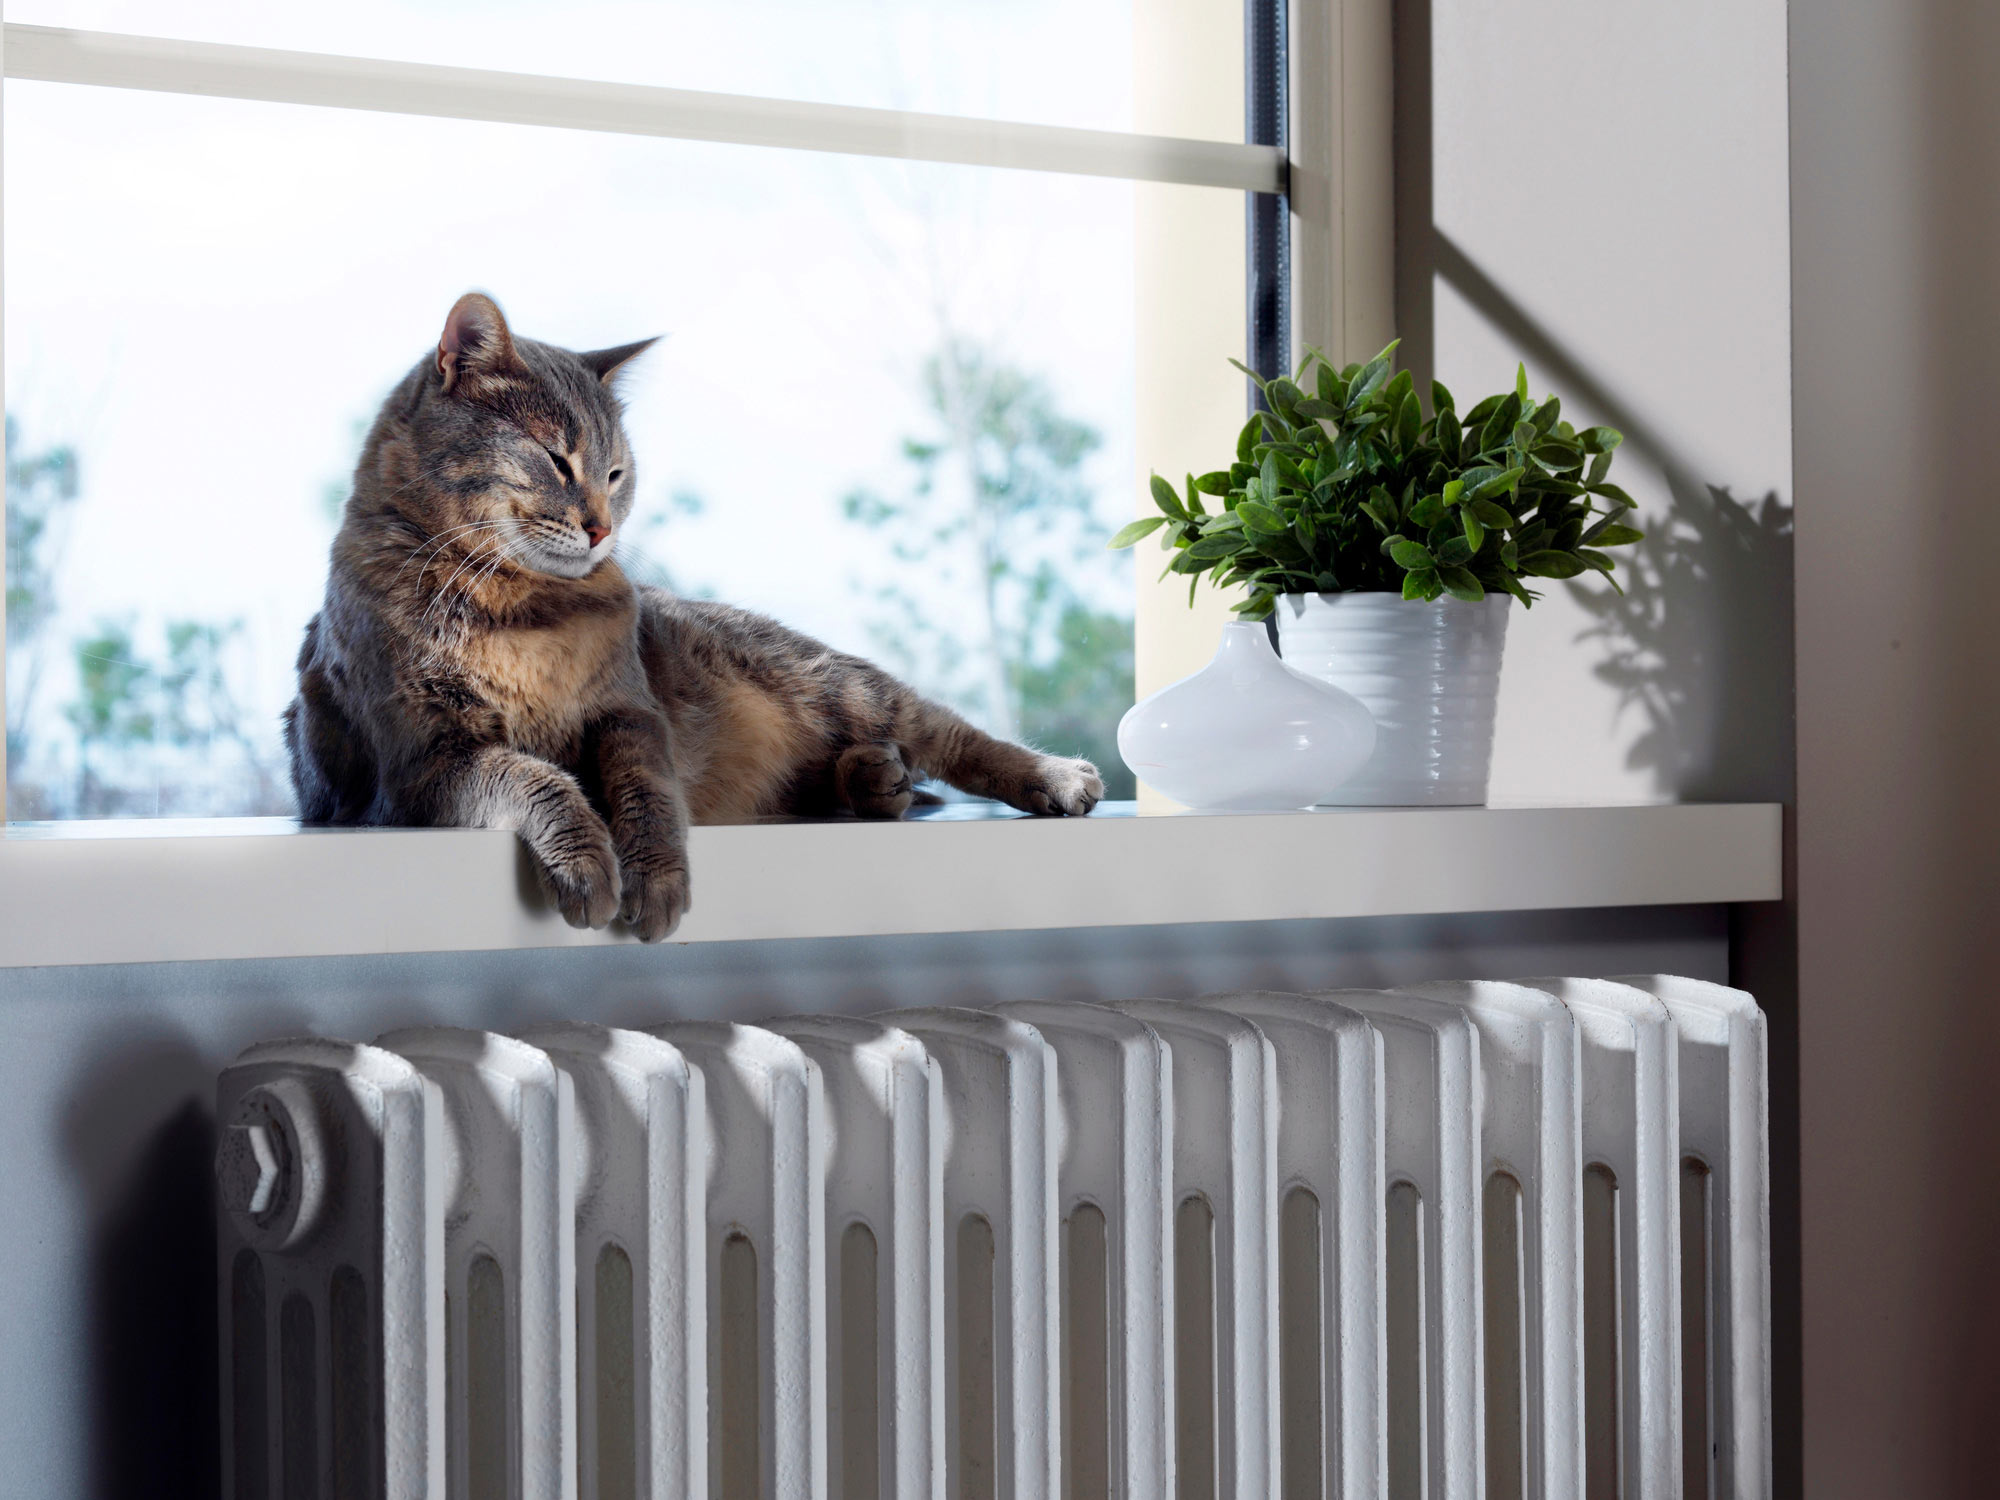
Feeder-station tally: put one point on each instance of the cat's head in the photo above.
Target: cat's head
(518, 444)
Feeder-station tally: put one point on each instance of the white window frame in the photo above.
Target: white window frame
(1336, 170)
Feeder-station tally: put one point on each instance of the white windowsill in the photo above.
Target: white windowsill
(138, 891)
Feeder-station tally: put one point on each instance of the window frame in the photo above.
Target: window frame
(1314, 168)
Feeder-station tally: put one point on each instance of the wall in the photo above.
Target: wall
(1896, 235)
(1600, 191)
(107, 1081)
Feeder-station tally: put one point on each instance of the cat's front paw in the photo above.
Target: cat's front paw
(579, 870)
(1059, 787)
(656, 896)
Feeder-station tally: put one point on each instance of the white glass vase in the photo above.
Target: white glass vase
(1246, 733)
(1429, 673)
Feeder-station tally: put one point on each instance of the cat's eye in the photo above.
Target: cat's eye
(614, 476)
(561, 463)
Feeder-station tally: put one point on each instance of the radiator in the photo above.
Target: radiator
(1460, 1240)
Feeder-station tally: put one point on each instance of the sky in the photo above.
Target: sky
(208, 298)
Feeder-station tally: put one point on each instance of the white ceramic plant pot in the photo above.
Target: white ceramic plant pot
(1246, 733)
(1430, 675)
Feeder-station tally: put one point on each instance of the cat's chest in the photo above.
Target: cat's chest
(546, 684)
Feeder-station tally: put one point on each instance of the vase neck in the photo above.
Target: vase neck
(1244, 641)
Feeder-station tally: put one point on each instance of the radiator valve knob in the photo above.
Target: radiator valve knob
(270, 1165)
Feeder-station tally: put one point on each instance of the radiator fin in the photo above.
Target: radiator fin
(1470, 1239)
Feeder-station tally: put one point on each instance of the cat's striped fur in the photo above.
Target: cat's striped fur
(481, 659)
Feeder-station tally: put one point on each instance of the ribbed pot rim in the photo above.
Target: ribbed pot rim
(1392, 594)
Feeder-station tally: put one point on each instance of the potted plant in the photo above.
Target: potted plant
(1389, 544)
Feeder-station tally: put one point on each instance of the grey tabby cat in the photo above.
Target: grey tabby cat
(482, 661)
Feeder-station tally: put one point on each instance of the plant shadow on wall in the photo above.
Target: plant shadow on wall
(1699, 645)
(1028, 636)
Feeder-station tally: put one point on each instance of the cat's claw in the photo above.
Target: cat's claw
(585, 887)
(655, 900)
(1062, 788)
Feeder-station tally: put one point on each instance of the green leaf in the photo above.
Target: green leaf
(1525, 435)
(1546, 415)
(1449, 436)
(1441, 401)
(1454, 491)
(1595, 560)
(1269, 481)
(1498, 484)
(1521, 383)
(1607, 534)
(1492, 513)
(1255, 378)
(1217, 545)
(1260, 517)
(1599, 439)
(1428, 511)
(1135, 531)
(1409, 418)
(1408, 554)
(1500, 424)
(1612, 492)
(1246, 440)
(1460, 584)
(1551, 565)
(1483, 410)
(1371, 378)
(1194, 505)
(1419, 583)
(1213, 483)
(1167, 500)
(1452, 549)
(1475, 533)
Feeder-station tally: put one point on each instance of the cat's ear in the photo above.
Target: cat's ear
(475, 345)
(605, 364)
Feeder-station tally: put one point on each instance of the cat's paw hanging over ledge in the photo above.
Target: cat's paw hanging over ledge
(581, 875)
(656, 898)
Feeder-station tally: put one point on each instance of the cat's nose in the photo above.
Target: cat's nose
(596, 531)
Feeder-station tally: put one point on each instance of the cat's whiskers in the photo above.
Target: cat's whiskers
(472, 556)
(443, 538)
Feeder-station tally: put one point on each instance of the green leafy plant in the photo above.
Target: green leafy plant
(1344, 485)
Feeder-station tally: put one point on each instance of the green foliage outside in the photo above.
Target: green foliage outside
(40, 486)
(147, 727)
(1353, 489)
(998, 507)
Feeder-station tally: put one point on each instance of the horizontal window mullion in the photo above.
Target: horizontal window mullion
(106, 59)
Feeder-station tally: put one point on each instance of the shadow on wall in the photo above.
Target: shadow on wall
(156, 1396)
(1699, 646)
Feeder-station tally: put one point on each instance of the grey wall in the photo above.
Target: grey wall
(1896, 235)
(107, 1304)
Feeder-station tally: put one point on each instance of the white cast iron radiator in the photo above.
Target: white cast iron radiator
(1461, 1240)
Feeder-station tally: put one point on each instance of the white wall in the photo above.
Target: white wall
(1896, 228)
(1601, 191)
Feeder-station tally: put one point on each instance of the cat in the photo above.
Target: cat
(482, 660)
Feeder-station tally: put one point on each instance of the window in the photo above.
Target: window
(908, 346)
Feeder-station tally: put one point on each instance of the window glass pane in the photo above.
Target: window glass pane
(206, 300)
(1063, 62)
